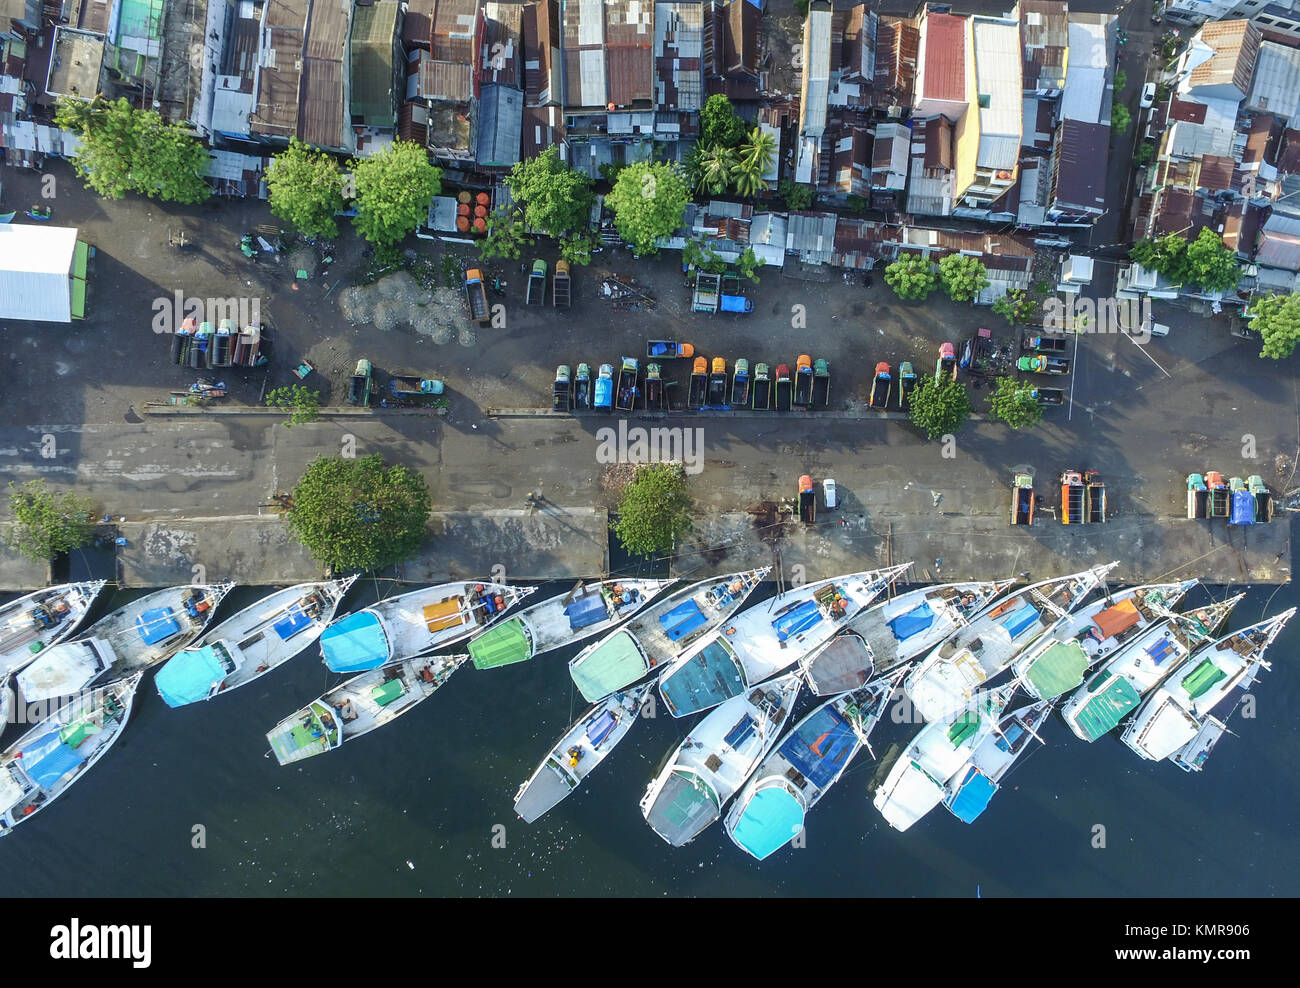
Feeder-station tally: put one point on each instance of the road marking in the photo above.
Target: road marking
(1147, 355)
(1074, 373)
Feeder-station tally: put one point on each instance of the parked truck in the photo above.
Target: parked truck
(561, 393)
(1038, 340)
(761, 388)
(536, 293)
(359, 384)
(668, 349)
(1043, 363)
(699, 383)
(716, 396)
(821, 396)
(625, 392)
(707, 291)
(654, 388)
(560, 285)
(582, 387)
(784, 388)
(1219, 494)
(807, 500)
(803, 381)
(740, 385)
(881, 385)
(906, 384)
(1022, 500)
(411, 389)
(1198, 497)
(476, 296)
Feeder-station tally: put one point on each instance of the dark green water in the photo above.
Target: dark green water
(413, 809)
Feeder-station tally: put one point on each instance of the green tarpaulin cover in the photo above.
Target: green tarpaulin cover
(1107, 708)
(1204, 676)
(78, 299)
(79, 261)
(388, 692)
(613, 664)
(501, 646)
(1058, 670)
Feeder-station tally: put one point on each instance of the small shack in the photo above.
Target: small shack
(42, 273)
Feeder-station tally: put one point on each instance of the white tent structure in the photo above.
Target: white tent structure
(36, 269)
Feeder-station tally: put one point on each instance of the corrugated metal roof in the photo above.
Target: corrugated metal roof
(35, 270)
(1078, 181)
(500, 122)
(1235, 48)
(445, 80)
(1276, 87)
(453, 25)
(322, 118)
(679, 42)
(1044, 25)
(371, 82)
(1092, 44)
(944, 66)
(997, 76)
(543, 126)
(629, 74)
(816, 71)
(417, 24)
(1278, 250)
(502, 43)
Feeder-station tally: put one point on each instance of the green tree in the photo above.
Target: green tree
(1119, 117)
(1121, 80)
(719, 124)
(306, 189)
(576, 247)
(302, 404)
(648, 202)
(1016, 306)
(756, 157)
(394, 189)
(748, 264)
(126, 150)
(48, 524)
(962, 276)
(700, 255)
(911, 277)
(715, 166)
(1014, 403)
(505, 234)
(857, 204)
(796, 197)
(1166, 256)
(1277, 320)
(1145, 152)
(557, 200)
(939, 409)
(654, 510)
(359, 514)
(1211, 264)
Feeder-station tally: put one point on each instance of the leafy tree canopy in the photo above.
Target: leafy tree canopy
(1016, 306)
(306, 189)
(394, 189)
(1013, 402)
(654, 510)
(557, 200)
(48, 524)
(302, 404)
(358, 514)
(648, 202)
(126, 150)
(505, 234)
(796, 196)
(963, 277)
(939, 409)
(911, 277)
(719, 124)
(1277, 319)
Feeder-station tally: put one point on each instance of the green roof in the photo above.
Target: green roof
(373, 29)
(1059, 669)
(502, 645)
(1107, 708)
(79, 255)
(1200, 679)
(78, 304)
(611, 665)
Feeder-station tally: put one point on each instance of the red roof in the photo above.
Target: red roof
(945, 57)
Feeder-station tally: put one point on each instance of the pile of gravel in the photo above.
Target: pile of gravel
(398, 299)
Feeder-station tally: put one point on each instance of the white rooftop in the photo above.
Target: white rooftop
(998, 83)
(36, 271)
(1085, 73)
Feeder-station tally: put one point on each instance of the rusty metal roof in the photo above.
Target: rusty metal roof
(897, 45)
(502, 60)
(454, 26)
(543, 126)
(628, 74)
(417, 25)
(445, 80)
(1045, 34)
(1078, 181)
(945, 57)
(1216, 173)
(541, 39)
(1288, 158)
(1236, 47)
(1186, 110)
(679, 39)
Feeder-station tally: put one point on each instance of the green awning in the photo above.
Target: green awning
(79, 261)
(613, 664)
(1200, 679)
(78, 299)
(1100, 714)
(502, 645)
(963, 727)
(1058, 670)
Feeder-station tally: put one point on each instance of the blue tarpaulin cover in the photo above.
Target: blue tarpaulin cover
(970, 800)
(735, 303)
(799, 619)
(355, 643)
(1020, 619)
(741, 733)
(49, 759)
(604, 392)
(292, 623)
(770, 820)
(1243, 508)
(820, 746)
(682, 620)
(705, 681)
(600, 728)
(915, 621)
(189, 676)
(586, 611)
(156, 625)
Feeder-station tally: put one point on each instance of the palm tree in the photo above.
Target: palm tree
(761, 147)
(747, 177)
(716, 165)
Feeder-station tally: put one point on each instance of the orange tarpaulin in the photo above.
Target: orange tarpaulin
(444, 615)
(1113, 620)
